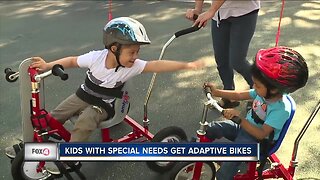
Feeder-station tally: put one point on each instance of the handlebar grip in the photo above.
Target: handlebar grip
(195, 16)
(11, 76)
(188, 30)
(7, 70)
(58, 70)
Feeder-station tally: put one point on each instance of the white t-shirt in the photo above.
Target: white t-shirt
(235, 8)
(100, 75)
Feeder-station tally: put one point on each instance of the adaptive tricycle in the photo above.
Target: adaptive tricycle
(39, 126)
(207, 170)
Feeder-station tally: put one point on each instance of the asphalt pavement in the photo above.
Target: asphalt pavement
(55, 29)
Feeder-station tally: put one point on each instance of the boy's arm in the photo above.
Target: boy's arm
(157, 66)
(41, 65)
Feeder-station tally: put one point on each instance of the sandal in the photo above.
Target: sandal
(226, 103)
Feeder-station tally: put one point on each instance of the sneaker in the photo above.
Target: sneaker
(12, 151)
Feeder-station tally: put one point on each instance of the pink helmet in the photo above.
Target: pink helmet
(283, 67)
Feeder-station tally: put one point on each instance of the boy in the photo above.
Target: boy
(275, 72)
(108, 70)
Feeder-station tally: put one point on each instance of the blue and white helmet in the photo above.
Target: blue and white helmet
(124, 30)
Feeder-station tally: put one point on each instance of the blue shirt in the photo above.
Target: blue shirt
(274, 114)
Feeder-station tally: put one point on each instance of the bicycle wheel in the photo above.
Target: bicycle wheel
(169, 134)
(185, 171)
(21, 169)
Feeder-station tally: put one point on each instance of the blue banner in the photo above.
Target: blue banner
(158, 152)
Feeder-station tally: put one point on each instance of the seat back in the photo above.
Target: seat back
(285, 126)
(121, 107)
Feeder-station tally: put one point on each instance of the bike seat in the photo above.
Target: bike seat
(285, 127)
(121, 110)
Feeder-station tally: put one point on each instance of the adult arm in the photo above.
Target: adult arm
(204, 17)
(197, 9)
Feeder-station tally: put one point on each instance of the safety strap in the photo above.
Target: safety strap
(90, 99)
(113, 92)
(40, 121)
(256, 118)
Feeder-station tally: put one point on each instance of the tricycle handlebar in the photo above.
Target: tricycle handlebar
(188, 30)
(58, 70)
(214, 103)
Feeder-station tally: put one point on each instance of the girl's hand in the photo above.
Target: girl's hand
(211, 86)
(39, 64)
(230, 113)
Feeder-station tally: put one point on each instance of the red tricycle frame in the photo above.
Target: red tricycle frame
(277, 169)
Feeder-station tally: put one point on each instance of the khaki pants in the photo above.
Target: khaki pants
(89, 117)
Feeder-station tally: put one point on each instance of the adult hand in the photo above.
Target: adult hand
(203, 18)
(190, 14)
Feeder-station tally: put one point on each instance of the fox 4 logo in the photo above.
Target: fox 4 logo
(43, 151)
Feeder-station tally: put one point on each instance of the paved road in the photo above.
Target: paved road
(57, 29)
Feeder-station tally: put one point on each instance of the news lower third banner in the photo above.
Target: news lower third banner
(141, 152)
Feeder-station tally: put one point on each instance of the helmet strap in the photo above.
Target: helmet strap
(117, 55)
(270, 95)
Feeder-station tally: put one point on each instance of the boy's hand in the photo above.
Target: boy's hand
(198, 64)
(230, 113)
(39, 64)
